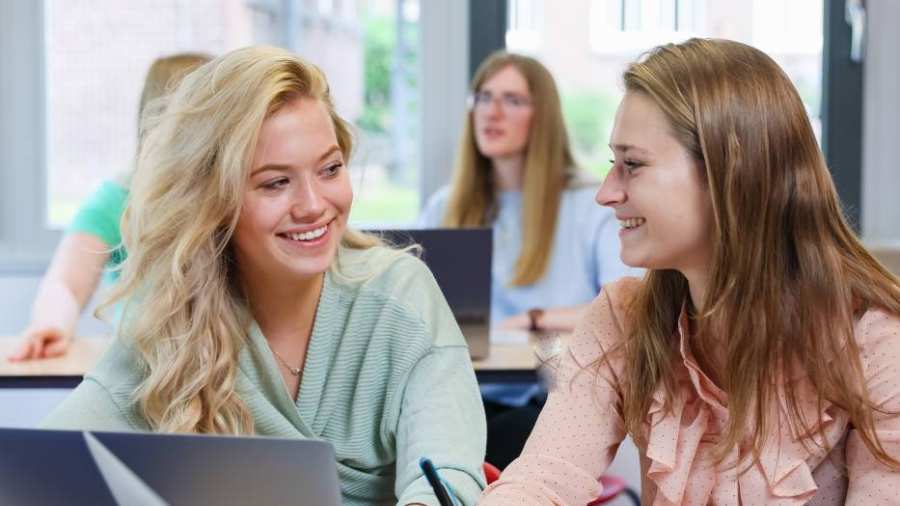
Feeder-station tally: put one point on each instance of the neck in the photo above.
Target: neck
(508, 172)
(697, 279)
(284, 310)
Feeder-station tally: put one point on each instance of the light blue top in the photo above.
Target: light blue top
(585, 251)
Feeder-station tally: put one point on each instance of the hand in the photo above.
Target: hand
(41, 342)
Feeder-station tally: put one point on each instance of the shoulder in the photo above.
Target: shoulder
(104, 400)
(110, 193)
(100, 213)
(402, 270)
(435, 208)
(399, 289)
(440, 195)
(604, 325)
(877, 335)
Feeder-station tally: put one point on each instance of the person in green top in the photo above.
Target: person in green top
(90, 247)
(250, 307)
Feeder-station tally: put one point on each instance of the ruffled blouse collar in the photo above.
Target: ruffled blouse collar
(681, 443)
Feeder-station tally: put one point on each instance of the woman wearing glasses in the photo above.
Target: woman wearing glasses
(553, 247)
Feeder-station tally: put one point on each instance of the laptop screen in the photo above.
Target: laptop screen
(460, 259)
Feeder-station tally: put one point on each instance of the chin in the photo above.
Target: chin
(308, 270)
(634, 260)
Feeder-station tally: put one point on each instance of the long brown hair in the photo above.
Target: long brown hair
(788, 277)
(549, 167)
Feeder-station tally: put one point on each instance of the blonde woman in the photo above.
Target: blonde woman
(757, 362)
(251, 307)
(553, 248)
(92, 240)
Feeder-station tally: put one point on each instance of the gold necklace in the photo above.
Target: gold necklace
(293, 370)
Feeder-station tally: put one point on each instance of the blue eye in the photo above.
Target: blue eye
(332, 170)
(275, 183)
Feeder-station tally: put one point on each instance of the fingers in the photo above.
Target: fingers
(56, 347)
(22, 351)
(39, 344)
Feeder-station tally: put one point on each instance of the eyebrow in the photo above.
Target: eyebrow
(628, 147)
(282, 167)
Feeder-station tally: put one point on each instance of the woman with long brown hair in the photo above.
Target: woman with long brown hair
(514, 172)
(757, 361)
(553, 247)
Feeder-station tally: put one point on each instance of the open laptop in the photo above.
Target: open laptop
(48, 467)
(460, 259)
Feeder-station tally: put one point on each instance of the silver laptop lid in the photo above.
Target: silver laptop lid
(41, 467)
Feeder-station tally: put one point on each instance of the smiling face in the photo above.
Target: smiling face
(656, 190)
(501, 114)
(297, 199)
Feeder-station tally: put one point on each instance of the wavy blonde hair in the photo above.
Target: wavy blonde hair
(185, 313)
(788, 277)
(549, 168)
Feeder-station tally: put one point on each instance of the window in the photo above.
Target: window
(524, 24)
(618, 26)
(588, 45)
(97, 52)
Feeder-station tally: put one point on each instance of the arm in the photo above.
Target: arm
(89, 407)
(580, 427)
(870, 481)
(432, 214)
(442, 418)
(66, 288)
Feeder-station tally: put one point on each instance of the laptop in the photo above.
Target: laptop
(460, 259)
(49, 467)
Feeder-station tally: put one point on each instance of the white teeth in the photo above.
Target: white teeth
(632, 222)
(309, 236)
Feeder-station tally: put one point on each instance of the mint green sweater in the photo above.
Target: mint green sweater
(387, 380)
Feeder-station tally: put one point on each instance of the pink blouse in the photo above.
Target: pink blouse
(581, 426)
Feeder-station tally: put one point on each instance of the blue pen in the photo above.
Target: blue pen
(437, 484)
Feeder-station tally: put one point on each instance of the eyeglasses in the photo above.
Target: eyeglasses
(508, 101)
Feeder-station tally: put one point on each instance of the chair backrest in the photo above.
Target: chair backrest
(491, 473)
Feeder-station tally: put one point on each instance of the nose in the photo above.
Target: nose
(612, 191)
(308, 203)
(494, 108)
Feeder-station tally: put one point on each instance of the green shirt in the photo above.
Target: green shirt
(100, 216)
(387, 380)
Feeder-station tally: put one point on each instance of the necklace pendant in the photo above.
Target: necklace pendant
(294, 370)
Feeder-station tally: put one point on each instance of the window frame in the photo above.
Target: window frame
(27, 243)
(455, 38)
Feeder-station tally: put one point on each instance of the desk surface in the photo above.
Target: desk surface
(510, 359)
